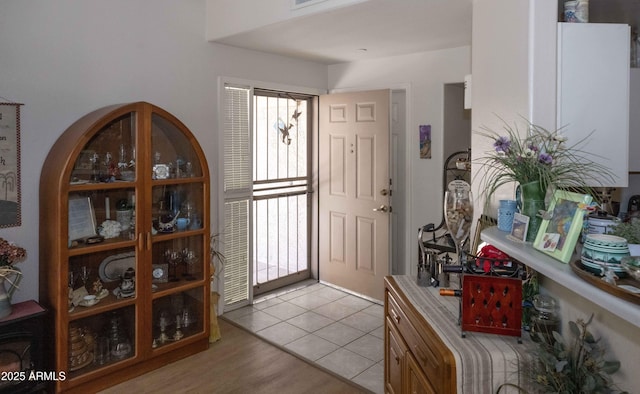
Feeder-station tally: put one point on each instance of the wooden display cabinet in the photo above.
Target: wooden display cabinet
(124, 206)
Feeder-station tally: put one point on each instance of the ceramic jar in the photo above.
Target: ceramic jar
(570, 11)
(582, 11)
(598, 224)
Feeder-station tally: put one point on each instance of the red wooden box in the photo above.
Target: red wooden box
(491, 304)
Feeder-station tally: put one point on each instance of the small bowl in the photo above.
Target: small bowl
(606, 240)
(631, 264)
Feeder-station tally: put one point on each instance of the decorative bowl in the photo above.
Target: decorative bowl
(606, 240)
(602, 250)
(604, 255)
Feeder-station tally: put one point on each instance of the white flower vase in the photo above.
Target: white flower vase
(5, 295)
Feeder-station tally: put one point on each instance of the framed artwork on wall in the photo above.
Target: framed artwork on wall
(425, 141)
(10, 212)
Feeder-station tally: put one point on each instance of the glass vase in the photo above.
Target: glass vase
(532, 195)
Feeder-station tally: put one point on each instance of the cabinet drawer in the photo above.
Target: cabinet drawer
(430, 361)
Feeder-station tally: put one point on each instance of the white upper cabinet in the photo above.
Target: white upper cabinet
(634, 121)
(593, 92)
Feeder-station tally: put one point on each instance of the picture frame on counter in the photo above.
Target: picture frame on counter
(562, 224)
(519, 227)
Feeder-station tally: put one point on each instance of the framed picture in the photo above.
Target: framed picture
(519, 227)
(425, 141)
(562, 224)
(160, 273)
(10, 197)
(82, 219)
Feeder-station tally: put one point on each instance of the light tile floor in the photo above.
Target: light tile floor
(334, 329)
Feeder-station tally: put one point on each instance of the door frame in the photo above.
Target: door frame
(217, 176)
(408, 245)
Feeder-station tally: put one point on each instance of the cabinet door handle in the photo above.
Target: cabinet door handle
(140, 241)
(149, 241)
(395, 317)
(397, 359)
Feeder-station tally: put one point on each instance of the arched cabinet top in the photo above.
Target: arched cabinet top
(119, 143)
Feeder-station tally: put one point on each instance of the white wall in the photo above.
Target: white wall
(500, 75)
(457, 121)
(66, 58)
(425, 75)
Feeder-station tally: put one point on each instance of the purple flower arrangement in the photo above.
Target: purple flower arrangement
(536, 154)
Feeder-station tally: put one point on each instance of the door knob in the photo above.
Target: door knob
(383, 208)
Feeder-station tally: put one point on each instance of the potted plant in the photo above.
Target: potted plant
(629, 230)
(10, 254)
(218, 261)
(538, 160)
(576, 365)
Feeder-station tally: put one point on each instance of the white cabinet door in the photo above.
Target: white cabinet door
(593, 92)
(634, 121)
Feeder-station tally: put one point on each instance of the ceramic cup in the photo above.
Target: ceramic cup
(182, 224)
(505, 214)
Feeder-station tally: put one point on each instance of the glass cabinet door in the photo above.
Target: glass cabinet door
(110, 156)
(103, 259)
(172, 152)
(177, 317)
(180, 244)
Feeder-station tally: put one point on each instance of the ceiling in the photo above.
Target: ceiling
(381, 28)
(368, 30)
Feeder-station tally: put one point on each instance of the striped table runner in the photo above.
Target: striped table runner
(483, 361)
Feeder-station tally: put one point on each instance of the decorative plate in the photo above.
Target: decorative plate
(112, 268)
(627, 288)
(88, 303)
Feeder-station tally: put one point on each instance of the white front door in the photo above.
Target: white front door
(354, 191)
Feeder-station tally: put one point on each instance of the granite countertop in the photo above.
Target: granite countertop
(483, 361)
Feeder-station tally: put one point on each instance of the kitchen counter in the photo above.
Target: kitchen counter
(562, 274)
(482, 361)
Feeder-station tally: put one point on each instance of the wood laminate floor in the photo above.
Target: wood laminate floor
(239, 363)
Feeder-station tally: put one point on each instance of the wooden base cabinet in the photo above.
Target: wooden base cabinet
(124, 246)
(416, 360)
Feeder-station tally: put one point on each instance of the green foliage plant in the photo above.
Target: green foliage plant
(573, 366)
(629, 230)
(537, 154)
